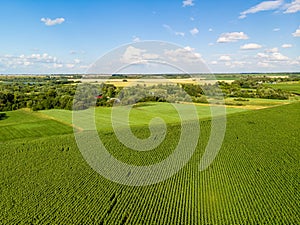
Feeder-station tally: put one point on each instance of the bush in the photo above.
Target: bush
(201, 99)
(3, 116)
(241, 99)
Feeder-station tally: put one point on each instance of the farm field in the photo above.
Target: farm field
(253, 180)
(256, 103)
(293, 87)
(150, 112)
(150, 81)
(141, 114)
(26, 124)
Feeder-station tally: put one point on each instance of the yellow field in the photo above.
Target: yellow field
(152, 81)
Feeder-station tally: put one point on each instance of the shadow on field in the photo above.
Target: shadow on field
(142, 104)
(3, 116)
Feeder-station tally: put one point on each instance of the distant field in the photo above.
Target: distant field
(26, 124)
(287, 86)
(256, 103)
(253, 180)
(140, 115)
(155, 81)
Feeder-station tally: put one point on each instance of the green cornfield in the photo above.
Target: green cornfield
(255, 178)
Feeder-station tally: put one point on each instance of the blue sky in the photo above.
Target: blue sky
(229, 36)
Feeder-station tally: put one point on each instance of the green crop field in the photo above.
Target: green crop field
(141, 114)
(293, 87)
(26, 124)
(255, 178)
(257, 103)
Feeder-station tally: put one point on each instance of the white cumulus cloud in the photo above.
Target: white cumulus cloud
(50, 22)
(251, 46)
(225, 58)
(292, 7)
(286, 46)
(272, 56)
(297, 33)
(137, 55)
(187, 3)
(184, 55)
(232, 37)
(194, 31)
(136, 39)
(179, 34)
(277, 56)
(263, 6)
(77, 61)
(271, 50)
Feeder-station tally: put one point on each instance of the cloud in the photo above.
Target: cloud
(170, 29)
(180, 34)
(167, 27)
(132, 55)
(286, 46)
(276, 29)
(236, 64)
(38, 63)
(292, 7)
(136, 39)
(210, 29)
(251, 46)
(24, 61)
(42, 58)
(239, 64)
(277, 56)
(194, 31)
(187, 3)
(184, 55)
(57, 65)
(77, 61)
(49, 22)
(264, 64)
(188, 48)
(137, 55)
(297, 32)
(225, 58)
(273, 56)
(70, 65)
(263, 6)
(232, 37)
(271, 50)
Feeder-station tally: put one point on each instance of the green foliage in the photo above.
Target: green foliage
(193, 90)
(255, 87)
(3, 116)
(201, 99)
(241, 100)
(52, 94)
(57, 92)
